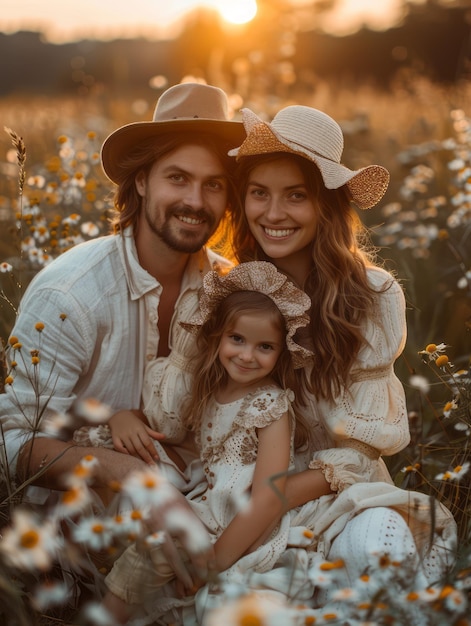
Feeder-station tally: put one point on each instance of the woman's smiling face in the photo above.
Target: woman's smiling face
(281, 214)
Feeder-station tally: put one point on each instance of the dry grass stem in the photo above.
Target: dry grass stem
(20, 148)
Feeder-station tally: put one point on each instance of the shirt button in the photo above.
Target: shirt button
(149, 357)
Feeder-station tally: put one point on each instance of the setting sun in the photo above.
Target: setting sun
(238, 12)
(155, 19)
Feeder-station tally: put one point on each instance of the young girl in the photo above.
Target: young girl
(240, 409)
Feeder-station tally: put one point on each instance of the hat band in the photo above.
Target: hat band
(300, 145)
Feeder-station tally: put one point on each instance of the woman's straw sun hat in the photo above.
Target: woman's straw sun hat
(316, 136)
(184, 107)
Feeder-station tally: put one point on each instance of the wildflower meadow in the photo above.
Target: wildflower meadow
(53, 195)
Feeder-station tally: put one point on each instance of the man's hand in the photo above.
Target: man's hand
(131, 435)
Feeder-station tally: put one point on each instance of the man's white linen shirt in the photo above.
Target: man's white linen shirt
(100, 349)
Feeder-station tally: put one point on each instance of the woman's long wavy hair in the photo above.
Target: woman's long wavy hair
(337, 283)
(128, 202)
(210, 375)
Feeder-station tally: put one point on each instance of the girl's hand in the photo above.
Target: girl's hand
(131, 435)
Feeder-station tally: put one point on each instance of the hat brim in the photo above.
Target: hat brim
(122, 141)
(367, 185)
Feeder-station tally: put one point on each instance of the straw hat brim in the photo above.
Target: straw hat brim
(122, 141)
(367, 185)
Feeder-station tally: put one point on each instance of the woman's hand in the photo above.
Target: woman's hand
(131, 435)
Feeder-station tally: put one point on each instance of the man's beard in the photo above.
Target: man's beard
(182, 240)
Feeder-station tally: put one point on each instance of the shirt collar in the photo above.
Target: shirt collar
(141, 282)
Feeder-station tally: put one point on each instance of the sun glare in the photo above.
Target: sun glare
(237, 11)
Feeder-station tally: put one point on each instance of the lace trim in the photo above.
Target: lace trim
(95, 436)
(269, 407)
(329, 474)
(367, 450)
(264, 405)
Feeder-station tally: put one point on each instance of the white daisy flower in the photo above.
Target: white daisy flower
(5, 267)
(93, 532)
(30, 544)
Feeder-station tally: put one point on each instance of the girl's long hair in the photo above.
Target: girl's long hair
(209, 374)
(128, 202)
(337, 283)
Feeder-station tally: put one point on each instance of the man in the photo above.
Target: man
(107, 305)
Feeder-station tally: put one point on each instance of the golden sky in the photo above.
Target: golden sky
(62, 20)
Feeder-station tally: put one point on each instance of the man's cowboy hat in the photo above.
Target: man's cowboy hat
(188, 106)
(316, 136)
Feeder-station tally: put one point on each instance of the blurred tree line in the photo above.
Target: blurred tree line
(433, 40)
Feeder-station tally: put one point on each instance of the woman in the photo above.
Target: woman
(298, 200)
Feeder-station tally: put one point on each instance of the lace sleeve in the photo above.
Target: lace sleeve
(264, 406)
(372, 408)
(167, 380)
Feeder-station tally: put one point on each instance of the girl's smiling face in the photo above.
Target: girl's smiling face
(250, 347)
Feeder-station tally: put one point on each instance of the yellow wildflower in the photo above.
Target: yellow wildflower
(250, 620)
(433, 350)
(329, 565)
(449, 407)
(115, 486)
(53, 165)
(442, 360)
